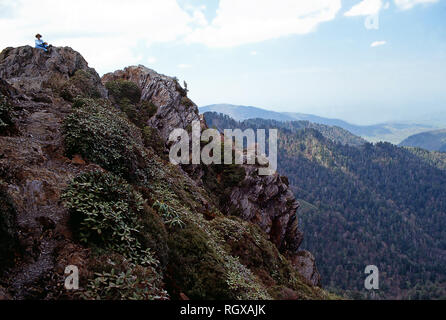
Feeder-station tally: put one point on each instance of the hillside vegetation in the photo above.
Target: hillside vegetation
(371, 204)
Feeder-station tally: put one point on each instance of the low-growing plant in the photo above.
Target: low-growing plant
(152, 139)
(81, 84)
(123, 89)
(116, 278)
(127, 96)
(105, 210)
(104, 136)
(170, 216)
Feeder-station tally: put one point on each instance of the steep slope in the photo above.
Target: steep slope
(431, 141)
(372, 204)
(85, 181)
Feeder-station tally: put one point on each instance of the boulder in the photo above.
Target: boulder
(305, 263)
(33, 70)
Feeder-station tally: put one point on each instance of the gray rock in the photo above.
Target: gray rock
(305, 263)
(33, 70)
(268, 202)
(175, 110)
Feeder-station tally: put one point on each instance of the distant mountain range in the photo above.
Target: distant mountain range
(388, 132)
(432, 141)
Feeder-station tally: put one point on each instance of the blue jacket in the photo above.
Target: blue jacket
(40, 44)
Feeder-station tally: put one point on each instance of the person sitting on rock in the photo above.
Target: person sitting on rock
(40, 44)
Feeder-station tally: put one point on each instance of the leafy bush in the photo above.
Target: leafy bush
(104, 210)
(109, 213)
(116, 278)
(127, 95)
(81, 84)
(152, 139)
(251, 245)
(170, 216)
(103, 136)
(122, 89)
(196, 266)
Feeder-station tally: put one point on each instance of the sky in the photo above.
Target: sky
(364, 61)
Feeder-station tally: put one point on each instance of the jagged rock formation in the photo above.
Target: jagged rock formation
(196, 246)
(268, 202)
(175, 110)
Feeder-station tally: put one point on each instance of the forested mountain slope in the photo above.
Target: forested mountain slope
(337, 134)
(367, 205)
(432, 141)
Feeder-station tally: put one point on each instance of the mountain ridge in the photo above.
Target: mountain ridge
(431, 140)
(390, 132)
(85, 180)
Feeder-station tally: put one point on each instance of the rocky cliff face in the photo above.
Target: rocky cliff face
(175, 109)
(38, 90)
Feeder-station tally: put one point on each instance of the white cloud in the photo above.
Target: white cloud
(151, 60)
(378, 44)
(184, 66)
(253, 53)
(104, 31)
(409, 4)
(250, 21)
(365, 8)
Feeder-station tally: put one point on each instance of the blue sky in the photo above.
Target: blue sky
(307, 56)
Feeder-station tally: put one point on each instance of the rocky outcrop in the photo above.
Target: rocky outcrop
(305, 263)
(175, 109)
(268, 202)
(33, 70)
(32, 164)
(35, 171)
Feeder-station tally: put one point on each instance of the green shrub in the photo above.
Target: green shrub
(122, 89)
(108, 213)
(149, 108)
(154, 235)
(116, 278)
(103, 136)
(81, 84)
(170, 216)
(220, 180)
(127, 96)
(251, 245)
(196, 267)
(152, 139)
